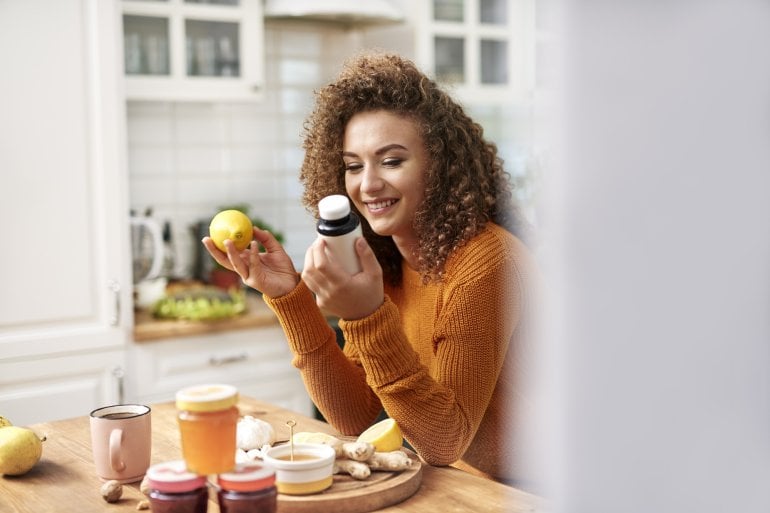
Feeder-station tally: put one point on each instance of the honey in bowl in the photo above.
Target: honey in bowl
(309, 472)
(298, 457)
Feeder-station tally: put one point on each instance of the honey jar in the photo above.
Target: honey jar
(208, 417)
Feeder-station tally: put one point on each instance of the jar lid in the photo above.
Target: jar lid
(173, 477)
(247, 477)
(207, 397)
(334, 207)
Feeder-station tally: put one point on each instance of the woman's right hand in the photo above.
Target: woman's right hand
(270, 272)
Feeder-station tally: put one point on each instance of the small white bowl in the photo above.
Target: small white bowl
(310, 472)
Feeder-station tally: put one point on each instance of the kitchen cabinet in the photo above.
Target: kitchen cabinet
(60, 387)
(193, 50)
(482, 49)
(65, 303)
(257, 361)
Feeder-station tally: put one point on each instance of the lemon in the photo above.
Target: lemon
(20, 450)
(233, 225)
(308, 437)
(385, 436)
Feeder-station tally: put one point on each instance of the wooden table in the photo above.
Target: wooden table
(65, 480)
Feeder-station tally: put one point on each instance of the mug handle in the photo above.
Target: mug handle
(116, 439)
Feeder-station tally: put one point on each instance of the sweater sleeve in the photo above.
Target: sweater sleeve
(439, 407)
(335, 381)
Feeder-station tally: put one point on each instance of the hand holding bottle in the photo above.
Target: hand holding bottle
(348, 296)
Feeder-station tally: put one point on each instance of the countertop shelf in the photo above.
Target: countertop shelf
(147, 328)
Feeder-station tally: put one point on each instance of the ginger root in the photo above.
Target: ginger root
(356, 469)
(391, 461)
(357, 451)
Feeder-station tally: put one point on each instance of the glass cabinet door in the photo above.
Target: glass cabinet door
(146, 45)
(471, 43)
(188, 49)
(211, 49)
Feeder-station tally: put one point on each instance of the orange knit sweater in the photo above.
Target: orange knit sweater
(442, 359)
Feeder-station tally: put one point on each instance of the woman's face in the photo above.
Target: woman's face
(385, 167)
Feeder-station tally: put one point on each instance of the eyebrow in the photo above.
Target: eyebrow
(380, 151)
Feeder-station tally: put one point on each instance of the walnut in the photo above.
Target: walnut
(112, 491)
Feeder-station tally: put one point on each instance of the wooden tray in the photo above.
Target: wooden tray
(348, 495)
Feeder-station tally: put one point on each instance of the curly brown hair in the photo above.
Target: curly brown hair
(466, 185)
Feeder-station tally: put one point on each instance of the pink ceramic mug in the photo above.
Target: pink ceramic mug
(121, 440)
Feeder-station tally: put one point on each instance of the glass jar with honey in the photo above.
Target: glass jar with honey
(208, 417)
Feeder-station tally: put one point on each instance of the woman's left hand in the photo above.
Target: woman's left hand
(339, 293)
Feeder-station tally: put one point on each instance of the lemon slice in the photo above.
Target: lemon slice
(309, 437)
(385, 436)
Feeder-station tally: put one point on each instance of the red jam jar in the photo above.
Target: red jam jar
(249, 488)
(175, 490)
(208, 417)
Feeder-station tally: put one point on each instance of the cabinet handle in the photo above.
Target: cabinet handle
(218, 362)
(114, 287)
(119, 374)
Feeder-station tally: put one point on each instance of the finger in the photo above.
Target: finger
(238, 265)
(308, 270)
(268, 240)
(216, 254)
(366, 256)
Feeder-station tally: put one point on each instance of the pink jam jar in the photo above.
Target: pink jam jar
(173, 489)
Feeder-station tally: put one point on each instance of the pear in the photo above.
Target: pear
(20, 449)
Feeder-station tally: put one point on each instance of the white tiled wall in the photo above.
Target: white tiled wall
(186, 160)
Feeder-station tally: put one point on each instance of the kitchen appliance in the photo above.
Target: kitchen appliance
(146, 248)
(148, 254)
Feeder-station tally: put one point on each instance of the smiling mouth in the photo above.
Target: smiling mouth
(378, 206)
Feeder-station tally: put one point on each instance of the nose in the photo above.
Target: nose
(371, 181)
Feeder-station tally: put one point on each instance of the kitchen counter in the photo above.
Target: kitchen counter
(65, 478)
(147, 328)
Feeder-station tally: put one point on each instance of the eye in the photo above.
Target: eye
(392, 162)
(352, 167)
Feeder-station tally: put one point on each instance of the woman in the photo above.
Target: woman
(435, 323)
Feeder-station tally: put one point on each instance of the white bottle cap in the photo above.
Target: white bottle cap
(334, 207)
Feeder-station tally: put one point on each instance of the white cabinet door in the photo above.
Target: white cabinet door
(64, 273)
(61, 387)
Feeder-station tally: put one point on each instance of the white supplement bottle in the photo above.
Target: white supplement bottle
(340, 228)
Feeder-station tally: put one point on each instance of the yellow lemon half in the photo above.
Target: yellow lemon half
(385, 436)
(233, 225)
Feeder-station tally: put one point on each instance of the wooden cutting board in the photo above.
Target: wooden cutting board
(348, 495)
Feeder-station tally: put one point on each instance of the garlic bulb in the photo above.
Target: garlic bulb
(253, 433)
